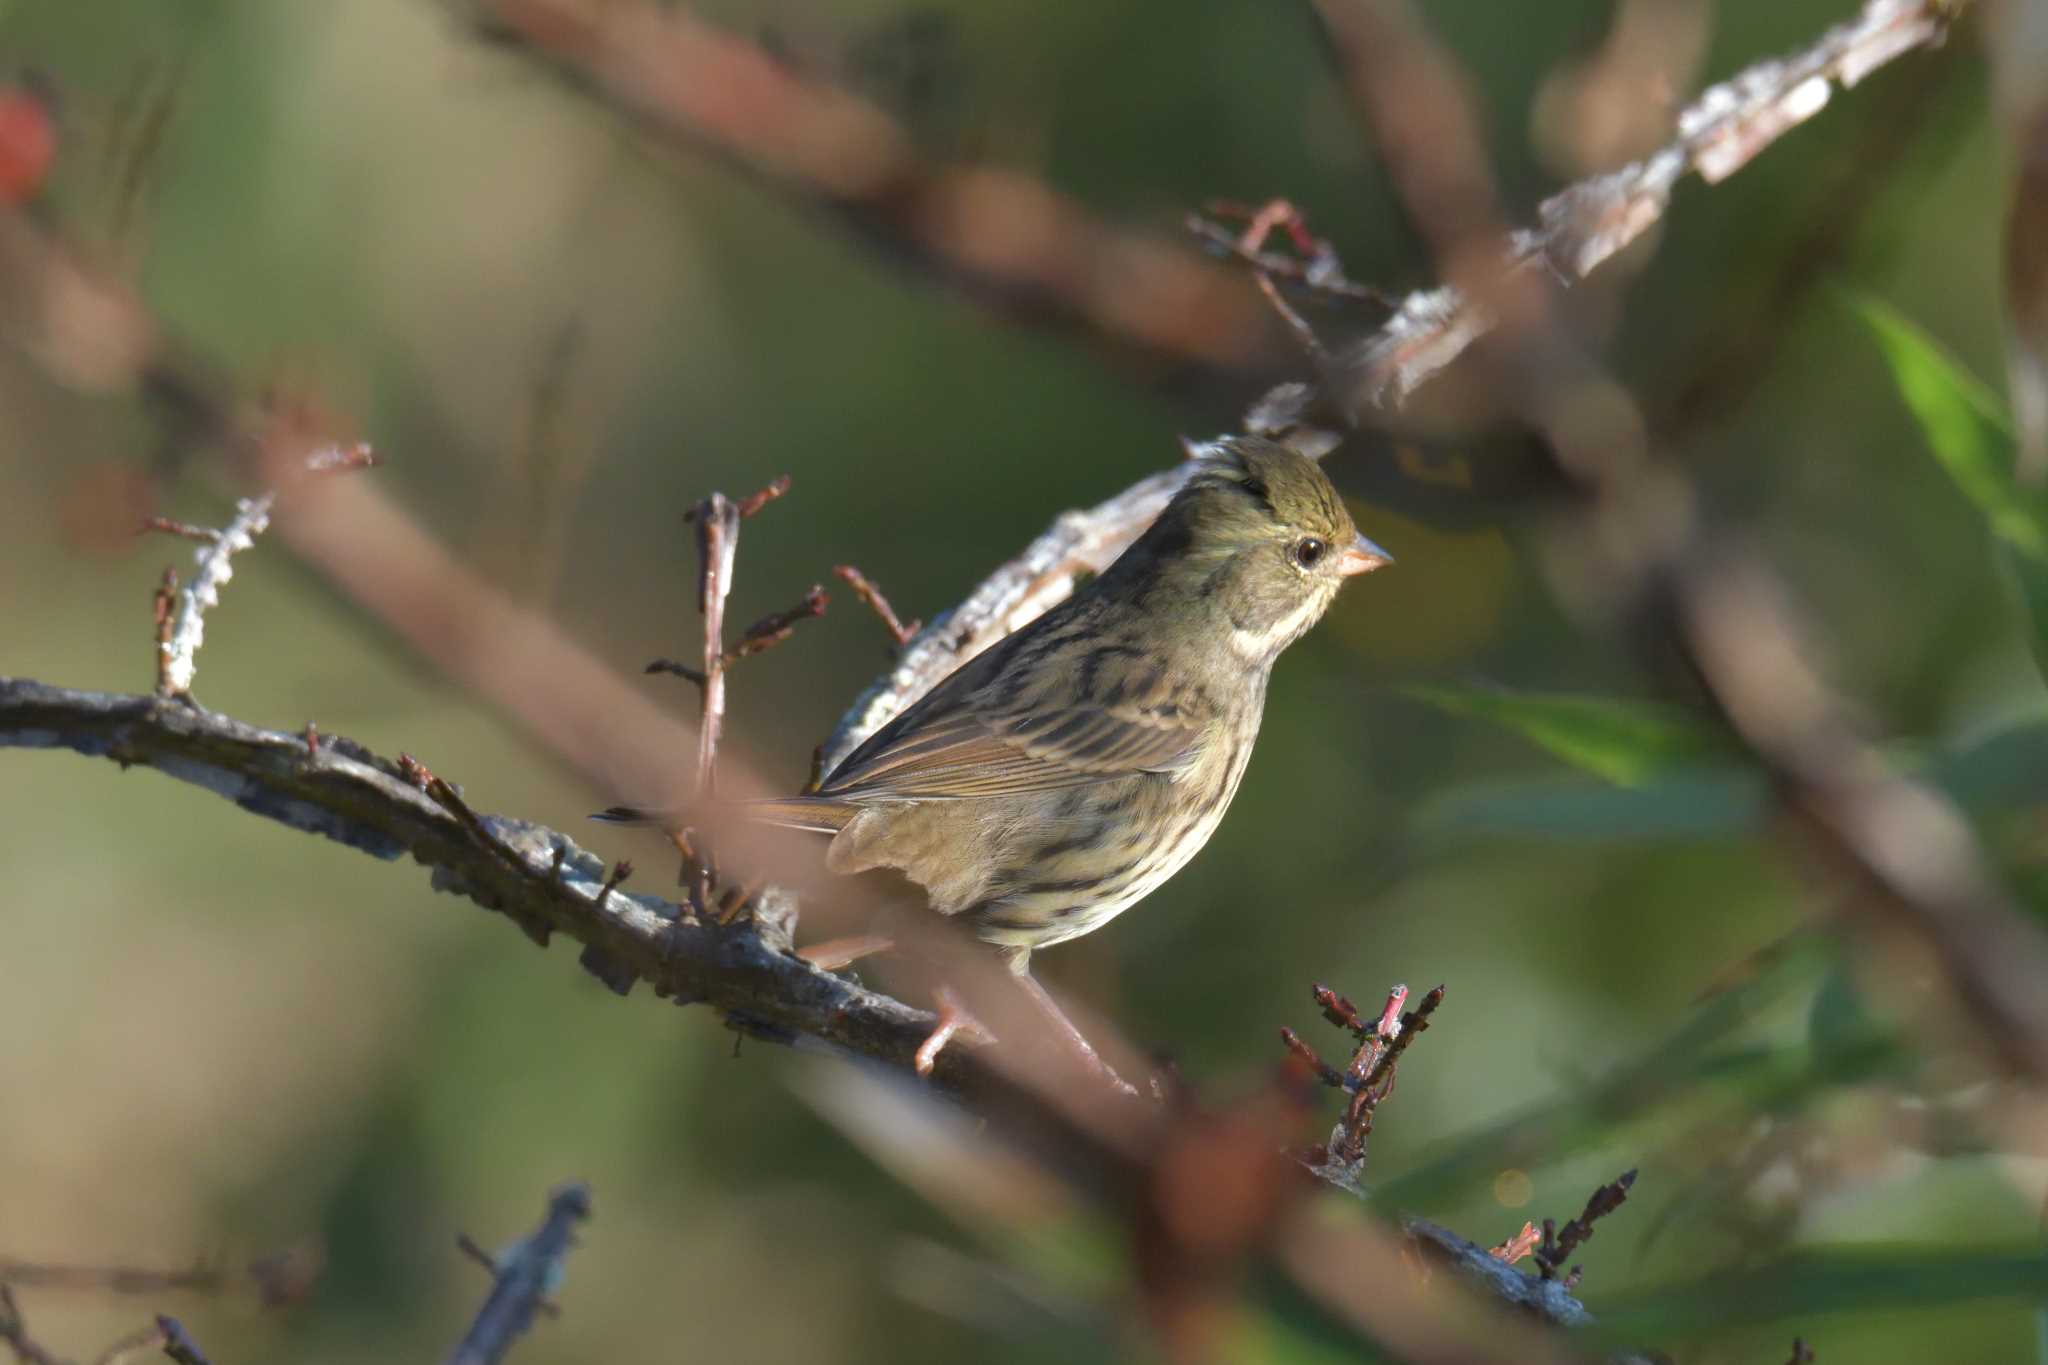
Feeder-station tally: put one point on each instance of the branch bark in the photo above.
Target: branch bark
(342, 792)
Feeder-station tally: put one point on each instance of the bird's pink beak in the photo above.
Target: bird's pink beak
(1361, 556)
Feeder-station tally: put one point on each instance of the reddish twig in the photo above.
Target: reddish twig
(1315, 266)
(1369, 1077)
(754, 502)
(865, 589)
(183, 529)
(772, 629)
(1517, 1246)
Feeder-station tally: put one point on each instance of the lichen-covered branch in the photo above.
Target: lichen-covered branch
(522, 1277)
(536, 877)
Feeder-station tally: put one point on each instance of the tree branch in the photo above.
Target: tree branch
(534, 876)
(523, 1275)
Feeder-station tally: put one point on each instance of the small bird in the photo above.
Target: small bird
(1061, 776)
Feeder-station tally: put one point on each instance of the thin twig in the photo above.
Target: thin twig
(718, 535)
(150, 1338)
(1316, 269)
(1369, 1076)
(1558, 1244)
(178, 1343)
(14, 1332)
(182, 529)
(524, 1274)
(179, 646)
(772, 629)
(865, 589)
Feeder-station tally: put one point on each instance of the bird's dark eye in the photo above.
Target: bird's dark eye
(1308, 550)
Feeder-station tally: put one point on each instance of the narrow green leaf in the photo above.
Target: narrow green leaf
(1844, 1280)
(1624, 740)
(1966, 427)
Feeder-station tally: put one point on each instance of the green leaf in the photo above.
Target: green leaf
(1966, 426)
(1626, 741)
(1823, 1281)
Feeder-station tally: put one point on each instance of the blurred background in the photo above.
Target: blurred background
(222, 1039)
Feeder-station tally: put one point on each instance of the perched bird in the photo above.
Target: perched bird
(1058, 778)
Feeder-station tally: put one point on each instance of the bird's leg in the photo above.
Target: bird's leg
(953, 1019)
(1076, 1041)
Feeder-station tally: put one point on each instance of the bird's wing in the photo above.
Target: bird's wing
(980, 733)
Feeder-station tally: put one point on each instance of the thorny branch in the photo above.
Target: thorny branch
(522, 1276)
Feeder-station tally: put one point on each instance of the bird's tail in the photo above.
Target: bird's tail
(821, 814)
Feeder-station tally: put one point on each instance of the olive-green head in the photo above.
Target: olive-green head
(1259, 540)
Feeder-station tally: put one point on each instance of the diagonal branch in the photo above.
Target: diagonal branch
(534, 876)
(1016, 245)
(523, 1275)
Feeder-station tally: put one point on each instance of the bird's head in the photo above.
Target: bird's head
(1259, 535)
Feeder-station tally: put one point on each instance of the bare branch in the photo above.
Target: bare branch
(536, 877)
(14, 1333)
(178, 1343)
(1006, 238)
(524, 1274)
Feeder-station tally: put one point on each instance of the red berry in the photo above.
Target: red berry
(28, 144)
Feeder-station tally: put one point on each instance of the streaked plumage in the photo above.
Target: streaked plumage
(1061, 776)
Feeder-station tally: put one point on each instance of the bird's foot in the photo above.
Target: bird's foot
(836, 954)
(954, 1020)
